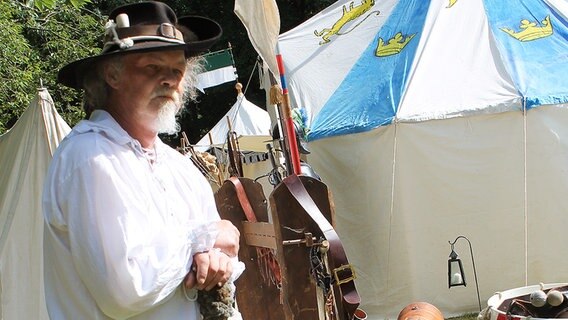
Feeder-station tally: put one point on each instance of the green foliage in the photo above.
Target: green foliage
(50, 4)
(41, 36)
(78, 3)
(59, 37)
(19, 68)
(37, 42)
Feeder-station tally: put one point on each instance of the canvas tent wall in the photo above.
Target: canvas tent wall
(25, 153)
(433, 119)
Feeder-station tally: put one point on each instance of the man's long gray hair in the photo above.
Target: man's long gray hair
(97, 90)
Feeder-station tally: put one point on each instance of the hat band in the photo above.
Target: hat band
(163, 32)
(112, 43)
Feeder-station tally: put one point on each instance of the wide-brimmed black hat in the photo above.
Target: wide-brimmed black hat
(145, 27)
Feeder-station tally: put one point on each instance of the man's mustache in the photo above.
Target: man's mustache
(168, 93)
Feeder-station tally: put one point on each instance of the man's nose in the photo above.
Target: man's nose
(171, 78)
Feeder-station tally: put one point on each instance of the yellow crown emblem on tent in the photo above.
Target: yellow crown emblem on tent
(394, 46)
(530, 30)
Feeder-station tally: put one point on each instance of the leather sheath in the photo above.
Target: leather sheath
(337, 258)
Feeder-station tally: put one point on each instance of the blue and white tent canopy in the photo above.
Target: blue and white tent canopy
(362, 64)
(431, 119)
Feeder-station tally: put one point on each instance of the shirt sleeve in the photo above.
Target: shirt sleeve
(130, 251)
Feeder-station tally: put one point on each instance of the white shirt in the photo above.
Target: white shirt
(121, 230)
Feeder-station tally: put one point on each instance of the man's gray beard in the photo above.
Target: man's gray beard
(166, 121)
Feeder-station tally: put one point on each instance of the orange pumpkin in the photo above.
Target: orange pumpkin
(420, 311)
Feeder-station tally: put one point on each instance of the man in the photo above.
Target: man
(131, 225)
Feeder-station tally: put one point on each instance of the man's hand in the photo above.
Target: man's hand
(210, 269)
(228, 238)
(214, 267)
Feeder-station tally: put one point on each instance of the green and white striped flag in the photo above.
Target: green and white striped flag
(219, 69)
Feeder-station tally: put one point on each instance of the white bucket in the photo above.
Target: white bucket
(498, 303)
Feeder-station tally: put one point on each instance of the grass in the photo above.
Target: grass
(467, 316)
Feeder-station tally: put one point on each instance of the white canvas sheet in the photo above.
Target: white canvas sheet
(25, 153)
(403, 191)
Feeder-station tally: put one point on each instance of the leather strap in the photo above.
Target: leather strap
(243, 199)
(341, 269)
(259, 234)
(262, 251)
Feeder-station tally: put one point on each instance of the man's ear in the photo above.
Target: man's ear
(112, 75)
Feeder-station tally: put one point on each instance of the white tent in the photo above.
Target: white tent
(433, 119)
(25, 153)
(251, 124)
(248, 121)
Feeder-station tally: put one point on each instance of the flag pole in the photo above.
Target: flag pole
(286, 114)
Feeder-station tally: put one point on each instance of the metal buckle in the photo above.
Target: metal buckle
(167, 30)
(344, 267)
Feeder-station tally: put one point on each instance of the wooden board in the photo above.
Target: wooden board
(256, 299)
(292, 223)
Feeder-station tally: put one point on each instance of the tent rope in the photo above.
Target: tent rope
(525, 189)
(391, 214)
(250, 77)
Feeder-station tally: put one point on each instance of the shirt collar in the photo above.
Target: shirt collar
(102, 122)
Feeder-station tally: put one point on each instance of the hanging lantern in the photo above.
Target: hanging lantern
(456, 276)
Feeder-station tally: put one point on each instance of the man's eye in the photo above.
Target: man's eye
(153, 67)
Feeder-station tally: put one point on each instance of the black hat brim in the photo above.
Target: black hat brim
(205, 31)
